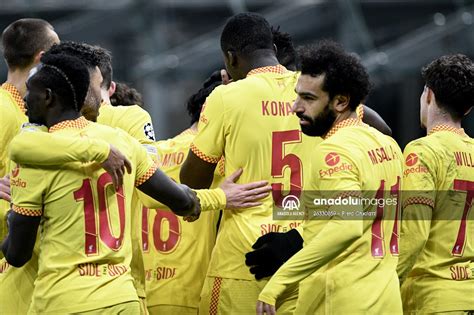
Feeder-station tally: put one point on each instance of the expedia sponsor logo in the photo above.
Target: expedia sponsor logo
(18, 182)
(329, 172)
(411, 159)
(332, 159)
(418, 169)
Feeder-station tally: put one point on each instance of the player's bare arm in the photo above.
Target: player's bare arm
(197, 173)
(18, 245)
(179, 198)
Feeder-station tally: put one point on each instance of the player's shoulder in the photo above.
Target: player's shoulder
(7, 102)
(131, 109)
(179, 142)
(429, 144)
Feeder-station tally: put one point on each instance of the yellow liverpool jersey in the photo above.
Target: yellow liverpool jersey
(12, 116)
(437, 236)
(16, 297)
(250, 122)
(176, 253)
(76, 273)
(350, 251)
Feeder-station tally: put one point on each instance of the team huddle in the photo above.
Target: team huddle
(98, 217)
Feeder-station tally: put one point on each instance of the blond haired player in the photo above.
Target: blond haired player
(437, 233)
(348, 262)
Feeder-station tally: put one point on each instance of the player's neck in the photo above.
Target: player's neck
(441, 119)
(349, 114)
(17, 78)
(194, 127)
(259, 61)
(56, 118)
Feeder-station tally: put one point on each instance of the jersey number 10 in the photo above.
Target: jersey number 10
(104, 192)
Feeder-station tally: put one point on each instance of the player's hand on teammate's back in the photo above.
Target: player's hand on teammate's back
(115, 165)
(264, 308)
(271, 251)
(244, 195)
(5, 188)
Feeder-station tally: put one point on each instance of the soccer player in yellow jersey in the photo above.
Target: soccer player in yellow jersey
(23, 43)
(170, 245)
(92, 272)
(349, 263)
(132, 119)
(437, 232)
(250, 122)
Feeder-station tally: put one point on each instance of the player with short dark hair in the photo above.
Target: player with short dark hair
(436, 248)
(239, 119)
(23, 39)
(346, 265)
(124, 95)
(23, 43)
(285, 51)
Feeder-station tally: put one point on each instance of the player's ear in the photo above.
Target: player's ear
(48, 97)
(429, 95)
(275, 48)
(112, 88)
(232, 57)
(37, 57)
(341, 103)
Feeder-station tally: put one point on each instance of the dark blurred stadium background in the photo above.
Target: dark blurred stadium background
(166, 48)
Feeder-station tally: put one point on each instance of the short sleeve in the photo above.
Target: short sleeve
(146, 167)
(27, 189)
(419, 172)
(140, 125)
(33, 146)
(210, 141)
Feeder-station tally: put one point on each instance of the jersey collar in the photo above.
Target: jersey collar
(345, 123)
(279, 69)
(443, 127)
(189, 131)
(78, 123)
(10, 88)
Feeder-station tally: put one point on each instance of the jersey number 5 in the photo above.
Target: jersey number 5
(105, 191)
(280, 161)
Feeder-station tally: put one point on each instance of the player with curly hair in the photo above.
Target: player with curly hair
(344, 258)
(436, 247)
